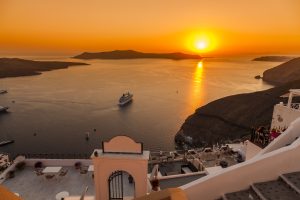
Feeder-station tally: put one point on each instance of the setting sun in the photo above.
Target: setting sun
(201, 45)
(201, 42)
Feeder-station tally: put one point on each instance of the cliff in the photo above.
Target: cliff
(130, 54)
(15, 67)
(231, 117)
(284, 73)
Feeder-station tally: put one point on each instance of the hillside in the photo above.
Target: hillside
(232, 117)
(284, 73)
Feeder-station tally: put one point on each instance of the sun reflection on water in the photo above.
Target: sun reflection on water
(198, 76)
(197, 92)
(200, 64)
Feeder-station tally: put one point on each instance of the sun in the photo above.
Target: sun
(201, 45)
(201, 42)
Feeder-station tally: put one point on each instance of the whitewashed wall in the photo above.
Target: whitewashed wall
(283, 116)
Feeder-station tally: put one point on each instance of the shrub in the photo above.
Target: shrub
(223, 164)
(38, 164)
(77, 165)
(20, 165)
(10, 174)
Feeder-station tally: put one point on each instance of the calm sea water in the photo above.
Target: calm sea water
(62, 105)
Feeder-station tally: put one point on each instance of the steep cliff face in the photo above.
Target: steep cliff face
(284, 73)
(231, 117)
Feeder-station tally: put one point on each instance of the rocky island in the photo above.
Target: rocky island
(232, 117)
(15, 67)
(273, 58)
(130, 54)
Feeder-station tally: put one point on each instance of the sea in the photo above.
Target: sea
(53, 112)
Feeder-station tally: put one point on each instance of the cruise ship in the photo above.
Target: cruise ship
(125, 99)
(3, 108)
(3, 91)
(122, 169)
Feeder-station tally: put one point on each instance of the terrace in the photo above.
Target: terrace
(30, 186)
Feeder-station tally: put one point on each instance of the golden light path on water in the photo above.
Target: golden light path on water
(197, 87)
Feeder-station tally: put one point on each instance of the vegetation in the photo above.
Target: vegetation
(38, 164)
(10, 174)
(20, 165)
(77, 165)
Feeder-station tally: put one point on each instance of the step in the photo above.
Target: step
(276, 190)
(292, 179)
(247, 194)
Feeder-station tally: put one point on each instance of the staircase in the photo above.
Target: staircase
(286, 187)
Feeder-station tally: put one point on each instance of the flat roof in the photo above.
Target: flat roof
(178, 181)
(165, 168)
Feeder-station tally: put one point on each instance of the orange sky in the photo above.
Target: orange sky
(71, 26)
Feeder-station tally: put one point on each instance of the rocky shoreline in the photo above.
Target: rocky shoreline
(233, 117)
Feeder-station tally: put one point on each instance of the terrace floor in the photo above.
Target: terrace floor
(30, 186)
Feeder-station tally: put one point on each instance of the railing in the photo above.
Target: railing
(295, 106)
(56, 156)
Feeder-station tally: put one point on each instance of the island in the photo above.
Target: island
(284, 73)
(232, 118)
(15, 67)
(273, 58)
(131, 54)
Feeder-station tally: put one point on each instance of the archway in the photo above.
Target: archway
(121, 185)
(114, 163)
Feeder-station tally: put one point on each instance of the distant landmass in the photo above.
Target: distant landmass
(284, 73)
(273, 58)
(232, 117)
(15, 67)
(130, 54)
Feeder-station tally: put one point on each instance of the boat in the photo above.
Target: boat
(125, 99)
(3, 91)
(5, 142)
(3, 109)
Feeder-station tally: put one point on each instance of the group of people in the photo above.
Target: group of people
(264, 136)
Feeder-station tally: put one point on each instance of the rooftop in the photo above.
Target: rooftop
(178, 181)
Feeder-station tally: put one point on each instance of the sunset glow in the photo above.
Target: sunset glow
(202, 27)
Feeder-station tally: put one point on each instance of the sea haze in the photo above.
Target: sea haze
(60, 106)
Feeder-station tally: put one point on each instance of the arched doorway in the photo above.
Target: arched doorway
(118, 158)
(121, 186)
